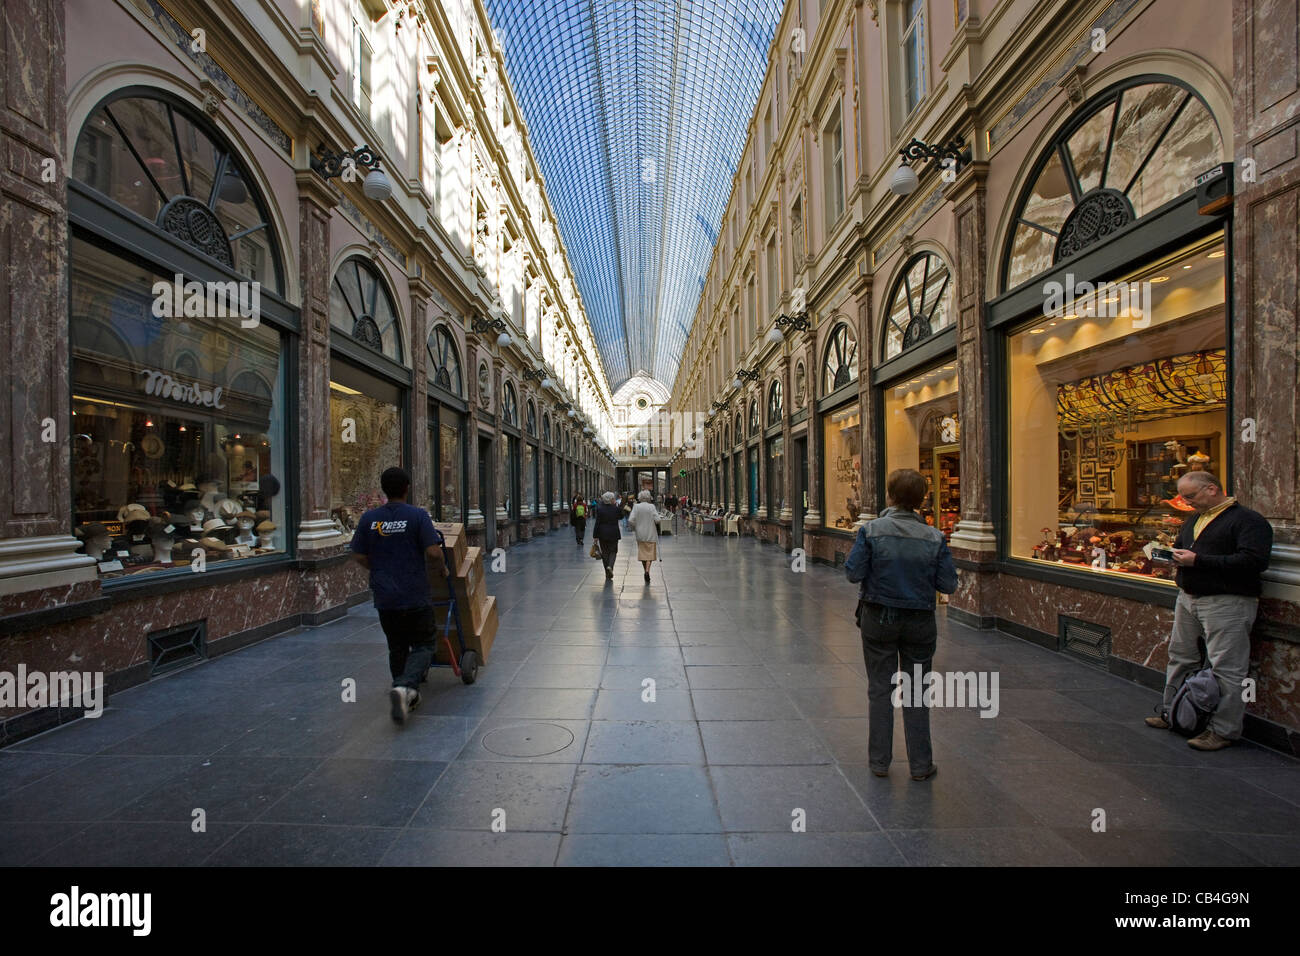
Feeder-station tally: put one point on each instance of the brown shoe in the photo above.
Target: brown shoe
(1209, 741)
(927, 775)
(1158, 722)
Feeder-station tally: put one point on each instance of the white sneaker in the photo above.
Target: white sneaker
(400, 703)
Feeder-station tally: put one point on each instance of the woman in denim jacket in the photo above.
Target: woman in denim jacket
(901, 561)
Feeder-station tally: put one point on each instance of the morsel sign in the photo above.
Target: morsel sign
(164, 386)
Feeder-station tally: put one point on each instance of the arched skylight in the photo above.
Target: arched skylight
(637, 113)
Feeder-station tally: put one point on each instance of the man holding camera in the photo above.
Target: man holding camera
(1221, 553)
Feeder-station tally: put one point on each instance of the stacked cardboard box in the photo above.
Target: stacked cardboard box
(476, 608)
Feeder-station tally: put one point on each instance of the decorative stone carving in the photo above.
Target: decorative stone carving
(1099, 213)
(194, 223)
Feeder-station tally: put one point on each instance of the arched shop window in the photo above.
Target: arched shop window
(373, 401)
(177, 411)
(162, 161)
(1124, 155)
(532, 461)
(509, 405)
(840, 366)
(774, 405)
(546, 429)
(531, 419)
(755, 422)
(444, 361)
(446, 427)
(740, 429)
(361, 307)
(1118, 382)
(841, 434)
(921, 305)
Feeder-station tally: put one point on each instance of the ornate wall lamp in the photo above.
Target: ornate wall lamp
(784, 324)
(328, 164)
(742, 376)
(481, 325)
(904, 181)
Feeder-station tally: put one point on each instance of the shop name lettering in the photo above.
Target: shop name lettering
(214, 300)
(164, 386)
(1115, 299)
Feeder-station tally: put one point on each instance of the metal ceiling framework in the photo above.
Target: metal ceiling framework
(637, 112)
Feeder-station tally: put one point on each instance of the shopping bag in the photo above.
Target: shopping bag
(595, 549)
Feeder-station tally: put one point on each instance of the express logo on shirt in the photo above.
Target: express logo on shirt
(385, 528)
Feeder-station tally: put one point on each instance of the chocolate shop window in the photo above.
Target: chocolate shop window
(177, 427)
(1115, 395)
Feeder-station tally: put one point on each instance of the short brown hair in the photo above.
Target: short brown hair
(906, 488)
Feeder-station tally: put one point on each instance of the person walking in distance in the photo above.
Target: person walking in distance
(578, 517)
(606, 532)
(1221, 553)
(901, 562)
(400, 547)
(644, 521)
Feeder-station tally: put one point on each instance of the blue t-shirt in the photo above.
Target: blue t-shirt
(394, 537)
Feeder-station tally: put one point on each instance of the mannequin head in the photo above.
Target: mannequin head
(266, 535)
(193, 512)
(95, 539)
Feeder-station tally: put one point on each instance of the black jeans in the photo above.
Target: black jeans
(410, 636)
(579, 526)
(608, 552)
(897, 639)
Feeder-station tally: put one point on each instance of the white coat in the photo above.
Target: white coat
(644, 521)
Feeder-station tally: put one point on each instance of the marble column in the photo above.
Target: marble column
(503, 488)
(973, 540)
(421, 461)
(812, 520)
(1265, 332)
(786, 514)
(474, 519)
(37, 548)
(872, 444)
(316, 200)
(760, 395)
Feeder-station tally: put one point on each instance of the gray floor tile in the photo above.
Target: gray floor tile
(1125, 847)
(644, 742)
(350, 792)
(478, 795)
(986, 847)
(813, 849)
(91, 789)
(643, 849)
(958, 797)
(726, 677)
(755, 799)
(546, 703)
(642, 799)
(472, 848)
(280, 845)
(124, 843)
(229, 789)
(631, 704)
(762, 703)
(766, 742)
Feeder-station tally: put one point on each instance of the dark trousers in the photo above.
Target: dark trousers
(579, 526)
(608, 552)
(410, 636)
(897, 639)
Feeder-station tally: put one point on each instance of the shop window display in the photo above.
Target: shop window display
(921, 305)
(842, 436)
(922, 432)
(776, 477)
(177, 425)
(1114, 396)
(365, 438)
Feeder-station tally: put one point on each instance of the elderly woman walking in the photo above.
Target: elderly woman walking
(606, 533)
(644, 521)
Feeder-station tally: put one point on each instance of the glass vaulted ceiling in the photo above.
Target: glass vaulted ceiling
(637, 112)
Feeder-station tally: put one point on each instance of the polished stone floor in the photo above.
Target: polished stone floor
(753, 750)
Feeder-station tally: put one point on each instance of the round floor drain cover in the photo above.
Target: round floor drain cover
(528, 740)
